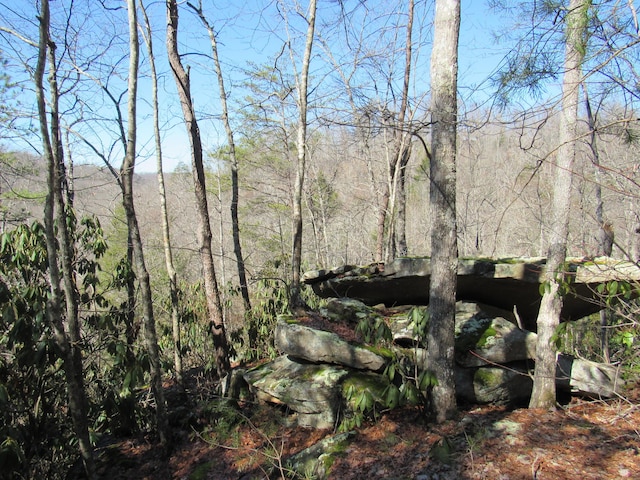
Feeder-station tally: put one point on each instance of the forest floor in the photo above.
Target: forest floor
(581, 440)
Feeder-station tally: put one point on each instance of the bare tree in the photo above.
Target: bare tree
(235, 224)
(302, 82)
(544, 383)
(442, 202)
(403, 148)
(604, 235)
(66, 325)
(164, 216)
(389, 233)
(126, 174)
(212, 292)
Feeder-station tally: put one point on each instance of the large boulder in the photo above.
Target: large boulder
(486, 335)
(322, 375)
(312, 391)
(323, 347)
(495, 385)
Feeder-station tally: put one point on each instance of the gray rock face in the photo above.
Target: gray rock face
(346, 310)
(310, 390)
(323, 347)
(587, 378)
(316, 461)
(507, 283)
(493, 385)
(484, 336)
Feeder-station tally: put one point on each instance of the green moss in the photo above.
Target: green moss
(201, 471)
(488, 377)
(489, 333)
(363, 380)
(288, 319)
(379, 350)
(315, 372)
(358, 383)
(474, 333)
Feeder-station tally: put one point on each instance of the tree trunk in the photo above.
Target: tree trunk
(126, 174)
(403, 147)
(301, 143)
(67, 339)
(212, 293)
(235, 224)
(164, 216)
(402, 248)
(383, 213)
(604, 236)
(391, 228)
(442, 199)
(544, 385)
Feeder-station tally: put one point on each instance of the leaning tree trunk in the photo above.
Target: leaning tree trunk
(442, 199)
(544, 383)
(126, 174)
(65, 325)
(235, 224)
(212, 293)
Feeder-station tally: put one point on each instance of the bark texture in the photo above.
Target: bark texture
(212, 293)
(544, 385)
(65, 324)
(442, 199)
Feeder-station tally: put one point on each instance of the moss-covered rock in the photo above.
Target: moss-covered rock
(312, 391)
(493, 384)
(317, 460)
(324, 347)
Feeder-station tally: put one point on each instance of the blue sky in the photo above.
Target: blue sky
(244, 41)
(251, 31)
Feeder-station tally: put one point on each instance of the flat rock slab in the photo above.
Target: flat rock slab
(323, 347)
(587, 378)
(507, 283)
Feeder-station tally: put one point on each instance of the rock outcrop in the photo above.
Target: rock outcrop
(318, 372)
(512, 284)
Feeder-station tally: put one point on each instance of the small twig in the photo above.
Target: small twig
(535, 468)
(518, 319)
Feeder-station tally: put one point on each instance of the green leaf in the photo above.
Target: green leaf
(4, 395)
(427, 379)
(543, 288)
(393, 397)
(390, 371)
(627, 339)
